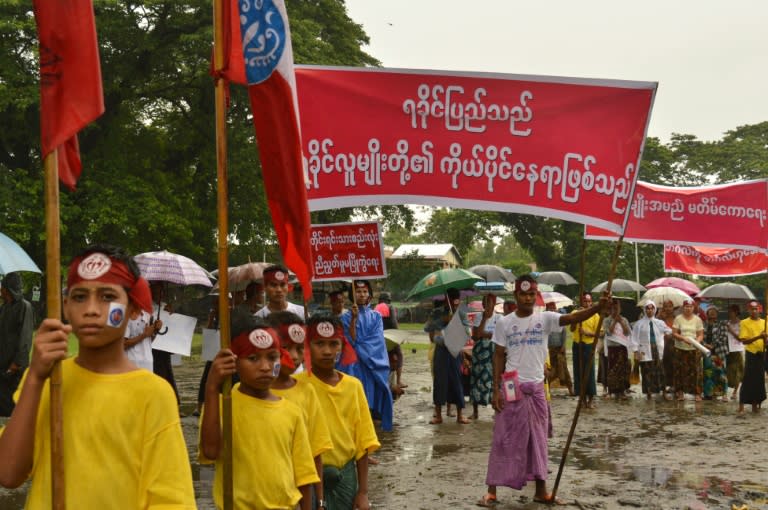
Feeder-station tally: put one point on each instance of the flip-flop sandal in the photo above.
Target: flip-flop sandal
(488, 501)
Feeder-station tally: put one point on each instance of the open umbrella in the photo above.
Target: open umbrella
(491, 273)
(686, 286)
(660, 294)
(239, 277)
(727, 290)
(437, 282)
(620, 285)
(556, 278)
(164, 266)
(13, 258)
(559, 299)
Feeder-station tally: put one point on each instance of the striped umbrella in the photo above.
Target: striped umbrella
(164, 266)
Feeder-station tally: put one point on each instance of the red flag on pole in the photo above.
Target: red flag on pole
(259, 53)
(70, 79)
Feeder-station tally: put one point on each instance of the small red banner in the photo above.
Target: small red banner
(347, 251)
(722, 216)
(704, 261)
(565, 148)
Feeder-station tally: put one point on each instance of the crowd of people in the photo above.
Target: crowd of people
(308, 393)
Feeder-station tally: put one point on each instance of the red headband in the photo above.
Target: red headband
(525, 286)
(100, 267)
(279, 276)
(257, 340)
(292, 333)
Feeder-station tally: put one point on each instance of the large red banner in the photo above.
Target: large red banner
(704, 261)
(347, 251)
(721, 216)
(565, 148)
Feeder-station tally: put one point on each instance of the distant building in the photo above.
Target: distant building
(445, 254)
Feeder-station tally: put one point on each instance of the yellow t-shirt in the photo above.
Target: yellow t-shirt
(750, 329)
(588, 326)
(271, 457)
(304, 396)
(349, 419)
(688, 328)
(123, 444)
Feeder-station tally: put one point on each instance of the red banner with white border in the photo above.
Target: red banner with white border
(703, 261)
(565, 148)
(347, 251)
(719, 216)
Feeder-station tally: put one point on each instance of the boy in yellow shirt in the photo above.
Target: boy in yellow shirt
(123, 444)
(290, 327)
(342, 399)
(752, 334)
(271, 457)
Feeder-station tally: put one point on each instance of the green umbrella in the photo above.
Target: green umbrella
(437, 282)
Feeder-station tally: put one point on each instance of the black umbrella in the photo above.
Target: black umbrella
(491, 273)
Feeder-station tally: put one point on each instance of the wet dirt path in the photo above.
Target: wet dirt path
(631, 454)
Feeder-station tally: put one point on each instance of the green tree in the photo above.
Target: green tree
(149, 168)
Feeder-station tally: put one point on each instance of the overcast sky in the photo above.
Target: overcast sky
(708, 56)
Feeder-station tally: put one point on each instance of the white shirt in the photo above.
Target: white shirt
(298, 310)
(141, 353)
(641, 337)
(733, 341)
(525, 339)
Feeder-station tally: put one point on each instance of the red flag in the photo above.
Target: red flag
(267, 67)
(70, 79)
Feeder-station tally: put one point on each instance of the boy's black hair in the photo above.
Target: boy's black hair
(526, 278)
(283, 318)
(250, 290)
(453, 293)
(275, 268)
(114, 252)
(243, 323)
(354, 285)
(324, 317)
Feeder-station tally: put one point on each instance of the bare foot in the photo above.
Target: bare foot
(473, 416)
(462, 420)
(435, 421)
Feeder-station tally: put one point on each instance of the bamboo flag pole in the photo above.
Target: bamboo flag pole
(586, 373)
(222, 206)
(53, 302)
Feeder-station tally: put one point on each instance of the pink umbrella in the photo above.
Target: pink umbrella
(686, 286)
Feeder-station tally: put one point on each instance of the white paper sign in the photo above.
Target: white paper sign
(178, 337)
(211, 344)
(456, 335)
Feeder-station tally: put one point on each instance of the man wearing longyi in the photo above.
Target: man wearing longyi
(519, 448)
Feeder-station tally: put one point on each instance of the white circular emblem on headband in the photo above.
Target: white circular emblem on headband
(260, 338)
(279, 276)
(94, 266)
(325, 329)
(525, 286)
(296, 333)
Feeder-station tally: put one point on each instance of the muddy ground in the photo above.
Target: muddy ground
(630, 454)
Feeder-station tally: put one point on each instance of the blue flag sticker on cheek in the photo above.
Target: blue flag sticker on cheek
(276, 369)
(116, 315)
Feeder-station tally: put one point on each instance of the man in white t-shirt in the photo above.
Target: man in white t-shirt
(276, 288)
(138, 341)
(519, 449)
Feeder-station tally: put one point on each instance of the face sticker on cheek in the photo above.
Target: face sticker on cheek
(116, 315)
(337, 357)
(276, 369)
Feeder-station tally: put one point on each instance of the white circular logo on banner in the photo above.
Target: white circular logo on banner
(279, 276)
(260, 338)
(525, 286)
(325, 329)
(94, 266)
(296, 333)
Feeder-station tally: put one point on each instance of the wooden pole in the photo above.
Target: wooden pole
(222, 207)
(53, 305)
(585, 373)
